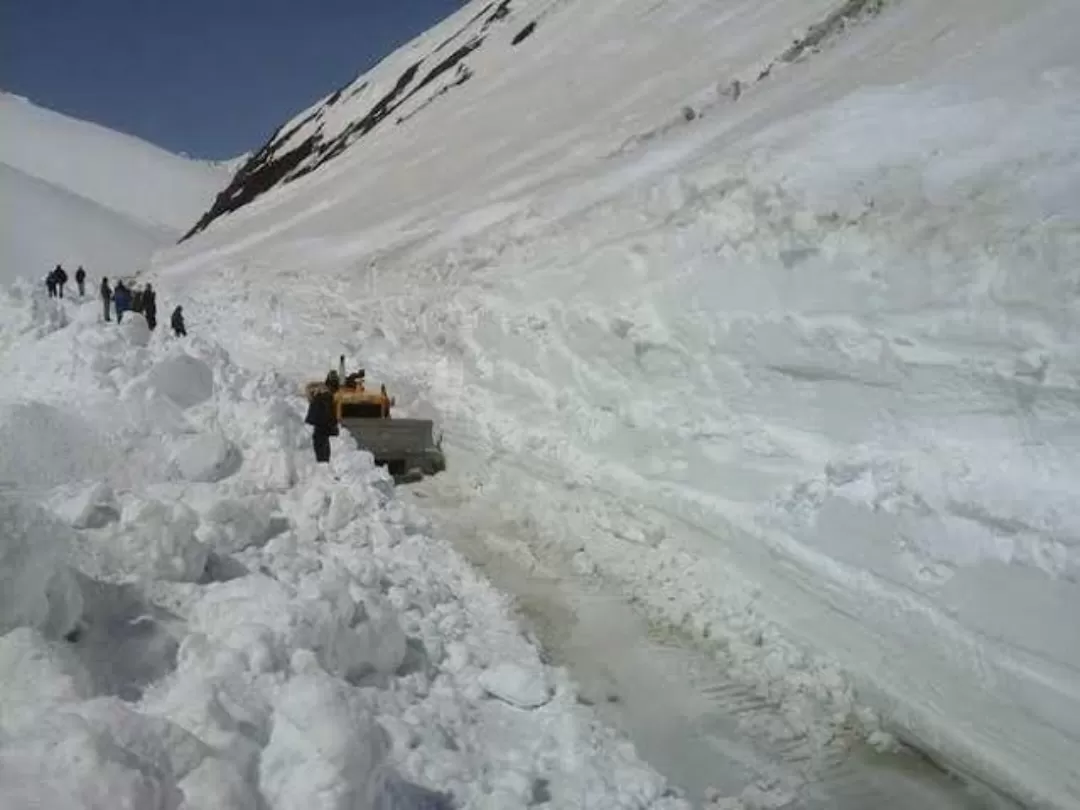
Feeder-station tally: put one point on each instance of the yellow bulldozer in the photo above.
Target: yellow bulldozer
(406, 447)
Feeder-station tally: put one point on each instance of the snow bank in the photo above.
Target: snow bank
(283, 634)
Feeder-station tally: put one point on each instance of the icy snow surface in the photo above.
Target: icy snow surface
(78, 193)
(795, 374)
(277, 636)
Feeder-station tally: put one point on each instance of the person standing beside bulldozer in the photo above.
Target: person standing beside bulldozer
(322, 416)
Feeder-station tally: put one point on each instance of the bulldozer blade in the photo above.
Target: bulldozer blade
(405, 446)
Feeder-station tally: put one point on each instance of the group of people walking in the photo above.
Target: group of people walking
(58, 277)
(120, 299)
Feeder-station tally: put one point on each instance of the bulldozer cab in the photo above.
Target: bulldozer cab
(354, 401)
(369, 406)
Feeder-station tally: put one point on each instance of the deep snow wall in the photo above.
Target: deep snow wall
(810, 356)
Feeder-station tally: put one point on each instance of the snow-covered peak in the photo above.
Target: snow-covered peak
(400, 86)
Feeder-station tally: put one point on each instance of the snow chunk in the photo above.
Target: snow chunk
(36, 675)
(91, 507)
(167, 747)
(157, 540)
(382, 639)
(63, 761)
(524, 687)
(231, 525)
(135, 329)
(184, 379)
(36, 588)
(325, 751)
(207, 457)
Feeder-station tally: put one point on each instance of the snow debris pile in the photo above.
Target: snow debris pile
(194, 615)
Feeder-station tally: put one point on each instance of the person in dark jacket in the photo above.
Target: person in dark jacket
(322, 416)
(80, 279)
(50, 283)
(106, 296)
(122, 300)
(61, 279)
(178, 321)
(149, 306)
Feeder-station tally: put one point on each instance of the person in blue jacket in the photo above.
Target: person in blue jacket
(121, 299)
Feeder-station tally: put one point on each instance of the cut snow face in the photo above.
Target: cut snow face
(176, 632)
(91, 196)
(777, 340)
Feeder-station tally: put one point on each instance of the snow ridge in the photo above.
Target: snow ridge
(84, 194)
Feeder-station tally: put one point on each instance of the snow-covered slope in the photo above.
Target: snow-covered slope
(781, 340)
(78, 193)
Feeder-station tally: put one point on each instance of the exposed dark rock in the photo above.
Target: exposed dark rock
(446, 64)
(820, 32)
(524, 33)
(463, 29)
(500, 13)
(252, 180)
(464, 74)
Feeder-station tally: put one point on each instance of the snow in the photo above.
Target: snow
(84, 194)
(516, 685)
(272, 635)
(797, 377)
(765, 418)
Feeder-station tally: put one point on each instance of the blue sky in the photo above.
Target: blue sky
(212, 78)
